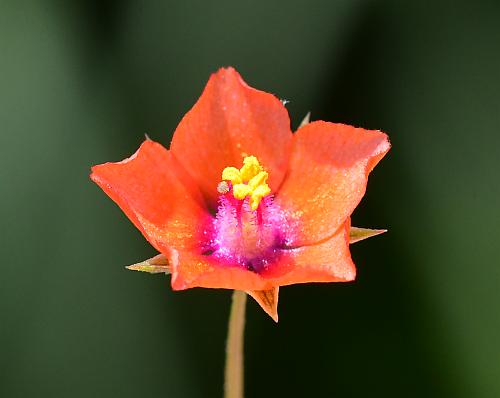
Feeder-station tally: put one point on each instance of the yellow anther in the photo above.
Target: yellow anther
(258, 180)
(250, 180)
(240, 191)
(232, 174)
(251, 167)
(257, 195)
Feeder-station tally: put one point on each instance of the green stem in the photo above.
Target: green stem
(233, 383)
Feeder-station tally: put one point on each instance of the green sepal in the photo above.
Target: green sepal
(155, 265)
(356, 234)
(306, 120)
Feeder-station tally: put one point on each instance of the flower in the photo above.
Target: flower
(239, 202)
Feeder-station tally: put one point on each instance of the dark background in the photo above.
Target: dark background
(80, 84)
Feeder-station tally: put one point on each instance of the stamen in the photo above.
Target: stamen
(232, 174)
(251, 167)
(258, 180)
(258, 194)
(250, 180)
(240, 191)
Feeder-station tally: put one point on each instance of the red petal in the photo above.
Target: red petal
(190, 269)
(229, 121)
(155, 195)
(327, 178)
(329, 261)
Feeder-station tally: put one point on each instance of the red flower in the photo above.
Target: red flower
(283, 218)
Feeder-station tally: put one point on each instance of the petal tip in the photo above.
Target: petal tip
(177, 283)
(227, 72)
(351, 276)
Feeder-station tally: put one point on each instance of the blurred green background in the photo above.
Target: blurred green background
(80, 84)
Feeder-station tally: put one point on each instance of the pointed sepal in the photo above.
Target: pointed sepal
(357, 234)
(268, 300)
(155, 265)
(306, 120)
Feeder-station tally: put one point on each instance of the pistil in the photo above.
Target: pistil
(249, 227)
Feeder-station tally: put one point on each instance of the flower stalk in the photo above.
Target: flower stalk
(233, 377)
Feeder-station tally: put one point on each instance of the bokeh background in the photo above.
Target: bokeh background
(81, 82)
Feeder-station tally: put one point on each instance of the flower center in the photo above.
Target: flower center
(249, 181)
(249, 227)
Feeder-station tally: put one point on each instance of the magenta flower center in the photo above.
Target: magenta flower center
(250, 238)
